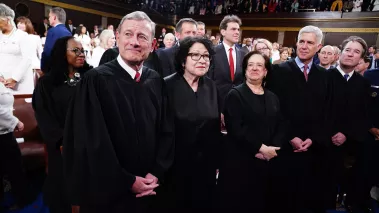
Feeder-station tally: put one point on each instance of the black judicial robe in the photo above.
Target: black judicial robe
(109, 55)
(50, 103)
(348, 113)
(251, 120)
(192, 180)
(116, 129)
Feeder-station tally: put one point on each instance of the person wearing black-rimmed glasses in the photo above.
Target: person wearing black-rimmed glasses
(193, 99)
(51, 99)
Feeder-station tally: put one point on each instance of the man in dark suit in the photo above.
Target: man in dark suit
(347, 126)
(248, 47)
(43, 27)
(184, 28)
(70, 27)
(161, 38)
(301, 87)
(57, 17)
(227, 71)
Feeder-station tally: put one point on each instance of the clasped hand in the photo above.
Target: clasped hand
(267, 152)
(145, 186)
(300, 145)
(10, 83)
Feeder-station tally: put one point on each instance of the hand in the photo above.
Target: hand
(296, 143)
(338, 139)
(268, 152)
(305, 145)
(150, 192)
(143, 186)
(375, 132)
(19, 127)
(260, 156)
(222, 120)
(10, 83)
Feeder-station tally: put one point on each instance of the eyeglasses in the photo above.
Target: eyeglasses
(197, 56)
(78, 51)
(262, 49)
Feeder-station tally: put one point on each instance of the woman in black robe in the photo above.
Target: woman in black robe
(255, 131)
(51, 99)
(193, 98)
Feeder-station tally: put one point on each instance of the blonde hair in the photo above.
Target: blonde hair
(104, 37)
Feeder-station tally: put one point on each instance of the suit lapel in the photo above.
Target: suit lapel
(238, 73)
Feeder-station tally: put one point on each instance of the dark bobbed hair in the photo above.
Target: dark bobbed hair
(247, 57)
(58, 66)
(185, 45)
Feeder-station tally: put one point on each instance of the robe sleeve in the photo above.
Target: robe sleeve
(91, 166)
(49, 127)
(236, 126)
(281, 126)
(166, 142)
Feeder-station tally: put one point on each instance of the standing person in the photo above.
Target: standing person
(349, 94)
(194, 101)
(283, 56)
(184, 28)
(256, 131)
(118, 140)
(26, 25)
(302, 90)
(57, 18)
(363, 65)
(107, 41)
(326, 56)
(200, 29)
(16, 53)
(51, 99)
(70, 27)
(227, 70)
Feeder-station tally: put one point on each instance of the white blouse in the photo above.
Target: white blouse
(37, 46)
(96, 56)
(16, 53)
(8, 122)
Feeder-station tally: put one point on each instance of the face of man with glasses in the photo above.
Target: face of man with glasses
(75, 53)
(198, 61)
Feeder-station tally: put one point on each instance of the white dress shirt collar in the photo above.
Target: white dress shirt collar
(301, 65)
(343, 73)
(127, 68)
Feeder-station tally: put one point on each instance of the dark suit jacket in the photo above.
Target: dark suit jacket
(167, 58)
(53, 35)
(302, 102)
(220, 72)
(373, 77)
(245, 50)
(41, 29)
(73, 29)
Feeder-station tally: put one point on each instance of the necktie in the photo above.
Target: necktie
(346, 76)
(137, 77)
(231, 64)
(305, 72)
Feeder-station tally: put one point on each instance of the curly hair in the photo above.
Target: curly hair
(58, 66)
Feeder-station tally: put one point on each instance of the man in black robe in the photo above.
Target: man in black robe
(300, 85)
(348, 127)
(118, 140)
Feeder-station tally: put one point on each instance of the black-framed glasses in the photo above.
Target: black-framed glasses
(78, 51)
(197, 56)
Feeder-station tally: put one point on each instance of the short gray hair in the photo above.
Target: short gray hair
(60, 13)
(179, 25)
(6, 13)
(312, 29)
(104, 36)
(139, 16)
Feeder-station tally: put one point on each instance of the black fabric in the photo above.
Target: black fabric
(109, 55)
(11, 168)
(116, 129)
(192, 180)
(50, 104)
(246, 183)
(167, 58)
(303, 105)
(220, 72)
(153, 62)
(348, 113)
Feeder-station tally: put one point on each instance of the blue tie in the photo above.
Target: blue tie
(346, 76)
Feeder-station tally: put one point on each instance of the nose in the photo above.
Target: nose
(134, 41)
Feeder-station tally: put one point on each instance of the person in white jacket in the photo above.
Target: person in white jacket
(107, 40)
(16, 53)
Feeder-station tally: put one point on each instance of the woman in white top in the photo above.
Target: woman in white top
(376, 6)
(107, 40)
(16, 53)
(26, 25)
(83, 38)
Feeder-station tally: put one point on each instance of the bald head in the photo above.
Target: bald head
(326, 56)
(169, 40)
